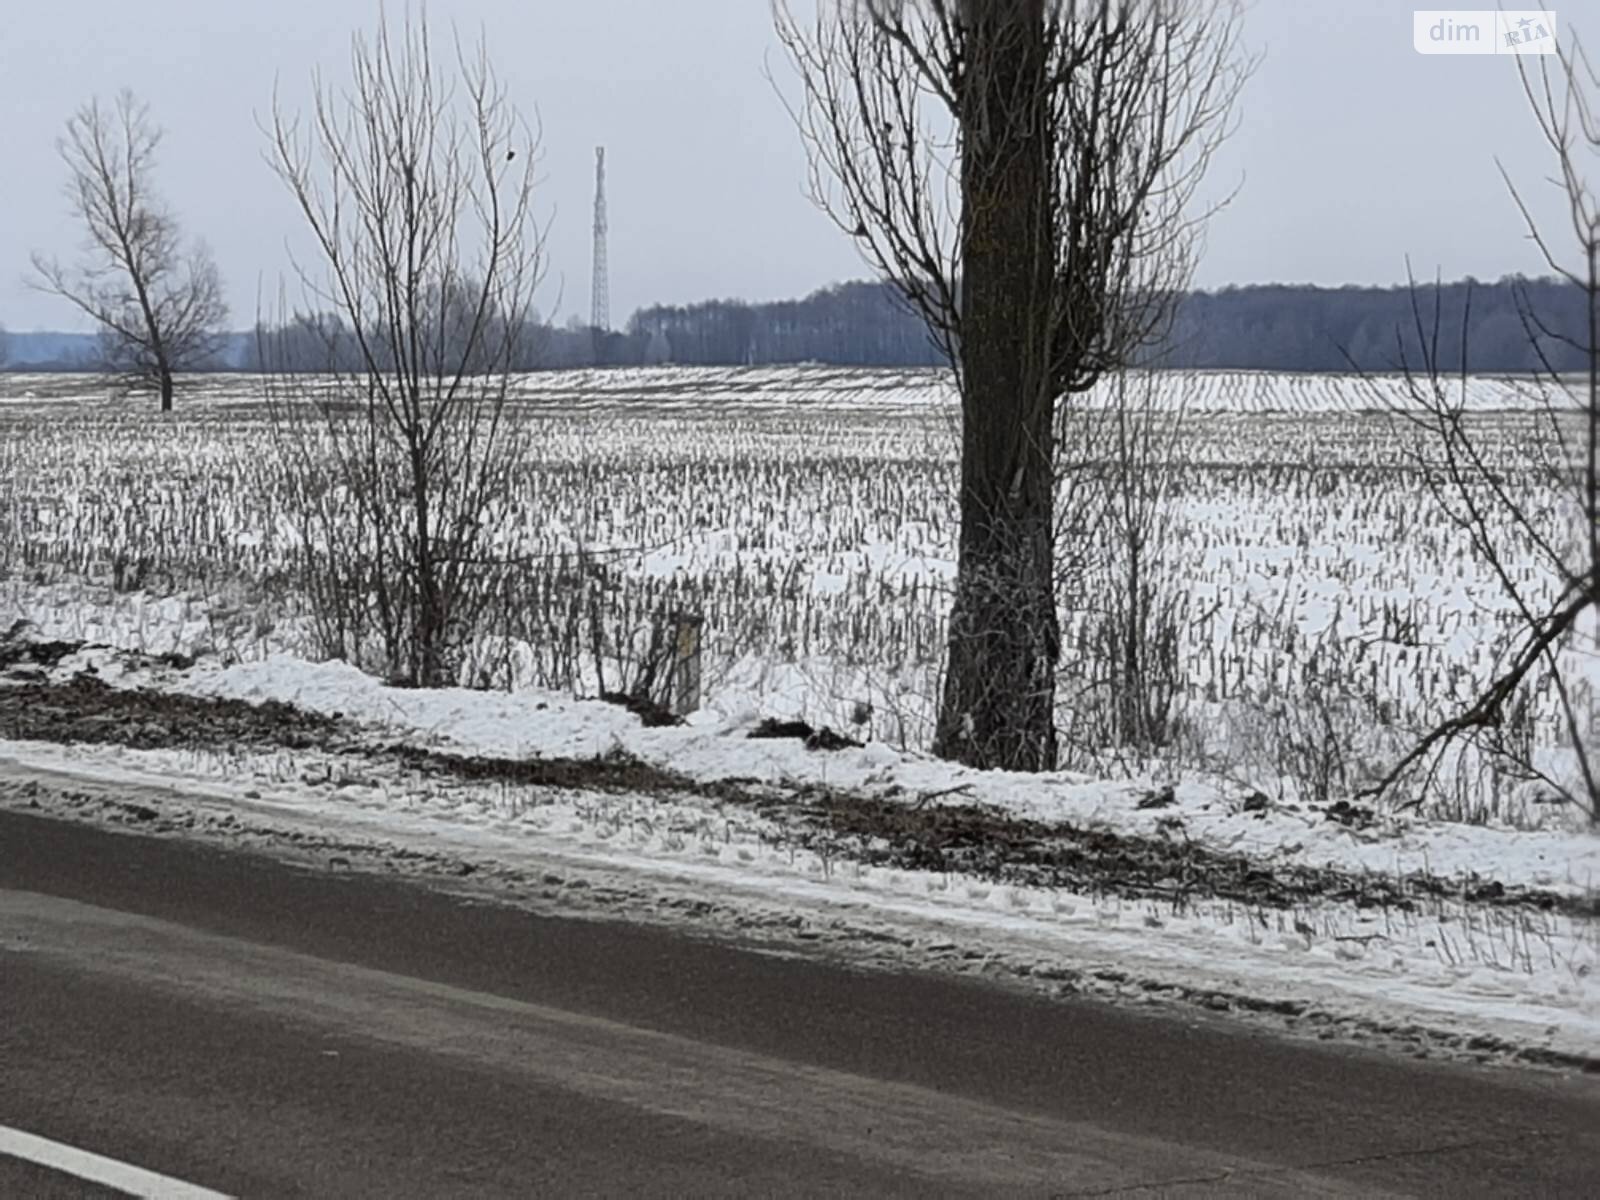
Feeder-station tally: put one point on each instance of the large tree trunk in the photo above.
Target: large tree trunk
(999, 691)
(166, 391)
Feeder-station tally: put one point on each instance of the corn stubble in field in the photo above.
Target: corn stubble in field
(1328, 610)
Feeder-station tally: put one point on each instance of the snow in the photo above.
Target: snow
(1516, 974)
(806, 513)
(811, 386)
(550, 724)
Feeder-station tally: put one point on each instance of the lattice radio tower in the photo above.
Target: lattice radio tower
(600, 289)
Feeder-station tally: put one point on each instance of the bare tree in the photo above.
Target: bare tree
(5, 347)
(157, 305)
(1123, 473)
(1022, 171)
(415, 185)
(1554, 645)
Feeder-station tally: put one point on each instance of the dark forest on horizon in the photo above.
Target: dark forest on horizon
(1277, 327)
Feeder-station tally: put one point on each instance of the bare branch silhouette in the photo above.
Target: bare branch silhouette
(157, 304)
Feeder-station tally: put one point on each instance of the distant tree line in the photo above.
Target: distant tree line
(1281, 327)
(324, 342)
(1508, 326)
(849, 324)
(1276, 327)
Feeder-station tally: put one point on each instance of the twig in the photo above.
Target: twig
(924, 797)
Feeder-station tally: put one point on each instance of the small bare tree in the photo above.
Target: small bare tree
(1134, 616)
(1554, 646)
(158, 306)
(416, 187)
(1022, 171)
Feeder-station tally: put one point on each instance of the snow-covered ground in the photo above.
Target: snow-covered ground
(816, 386)
(806, 513)
(1514, 975)
(547, 724)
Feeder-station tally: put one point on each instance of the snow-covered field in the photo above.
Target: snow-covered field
(851, 388)
(807, 514)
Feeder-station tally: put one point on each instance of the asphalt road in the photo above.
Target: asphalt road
(263, 1030)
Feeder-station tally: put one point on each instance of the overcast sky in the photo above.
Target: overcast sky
(1352, 150)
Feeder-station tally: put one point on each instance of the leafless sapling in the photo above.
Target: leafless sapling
(416, 185)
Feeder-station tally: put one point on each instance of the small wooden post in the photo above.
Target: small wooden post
(686, 663)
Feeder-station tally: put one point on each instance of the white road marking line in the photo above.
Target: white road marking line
(134, 1181)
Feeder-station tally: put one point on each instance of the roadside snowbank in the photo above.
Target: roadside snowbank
(1444, 972)
(714, 746)
(1447, 977)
